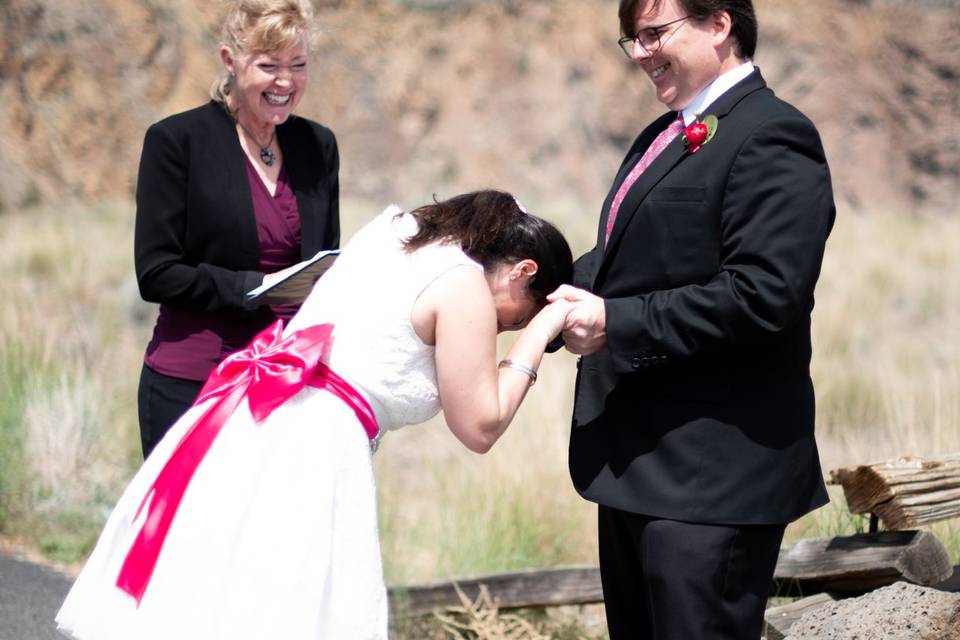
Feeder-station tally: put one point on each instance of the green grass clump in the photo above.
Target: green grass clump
(20, 372)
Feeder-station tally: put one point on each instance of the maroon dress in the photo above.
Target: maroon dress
(188, 344)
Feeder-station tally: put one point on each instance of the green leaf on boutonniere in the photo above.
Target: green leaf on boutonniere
(711, 122)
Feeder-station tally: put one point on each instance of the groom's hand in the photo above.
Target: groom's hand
(585, 329)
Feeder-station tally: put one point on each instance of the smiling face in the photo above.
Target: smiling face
(692, 53)
(267, 86)
(511, 297)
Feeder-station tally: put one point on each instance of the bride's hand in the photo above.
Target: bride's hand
(552, 318)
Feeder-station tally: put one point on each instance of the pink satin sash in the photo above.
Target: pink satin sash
(268, 372)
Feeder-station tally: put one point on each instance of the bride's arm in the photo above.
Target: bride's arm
(479, 400)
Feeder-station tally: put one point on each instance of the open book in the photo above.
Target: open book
(296, 285)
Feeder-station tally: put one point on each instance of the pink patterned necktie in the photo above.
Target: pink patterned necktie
(660, 143)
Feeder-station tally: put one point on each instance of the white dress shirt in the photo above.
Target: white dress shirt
(714, 90)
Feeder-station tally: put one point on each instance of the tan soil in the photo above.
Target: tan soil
(438, 96)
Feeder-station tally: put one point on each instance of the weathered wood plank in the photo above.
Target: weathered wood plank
(531, 588)
(780, 619)
(902, 518)
(915, 474)
(907, 466)
(849, 565)
(903, 493)
(924, 484)
(857, 564)
(913, 499)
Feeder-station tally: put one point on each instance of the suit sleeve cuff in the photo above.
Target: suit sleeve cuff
(249, 280)
(628, 351)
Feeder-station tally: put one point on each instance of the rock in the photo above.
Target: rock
(901, 611)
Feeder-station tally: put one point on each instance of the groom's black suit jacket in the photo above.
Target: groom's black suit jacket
(702, 407)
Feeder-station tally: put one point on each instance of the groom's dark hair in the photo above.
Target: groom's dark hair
(742, 16)
(492, 229)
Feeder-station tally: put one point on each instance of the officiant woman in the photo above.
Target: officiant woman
(229, 194)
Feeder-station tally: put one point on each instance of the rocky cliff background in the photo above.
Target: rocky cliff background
(443, 95)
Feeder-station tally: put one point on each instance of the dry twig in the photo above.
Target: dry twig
(480, 620)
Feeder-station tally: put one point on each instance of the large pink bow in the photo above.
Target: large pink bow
(268, 372)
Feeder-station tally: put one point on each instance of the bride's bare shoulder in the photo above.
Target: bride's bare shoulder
(459, 295)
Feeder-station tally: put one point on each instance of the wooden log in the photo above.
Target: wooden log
(860, 563)
(780, 619)
(904, 493)
(531, 588)
(848, 565)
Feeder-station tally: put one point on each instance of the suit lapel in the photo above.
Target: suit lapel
(643, 141)
(300, 184)
(628, 164)
(663, 164)
(237, 193)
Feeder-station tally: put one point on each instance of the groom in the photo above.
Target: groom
(693, 425)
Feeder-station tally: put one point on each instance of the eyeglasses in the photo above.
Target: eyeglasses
(649, 40)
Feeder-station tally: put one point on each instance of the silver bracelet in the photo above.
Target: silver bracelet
(519, 366)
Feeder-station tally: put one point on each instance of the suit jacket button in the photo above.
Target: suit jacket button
(636, 363)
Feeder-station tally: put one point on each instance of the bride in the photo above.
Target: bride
(255, 516)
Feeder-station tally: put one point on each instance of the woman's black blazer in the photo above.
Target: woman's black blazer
(195, 241)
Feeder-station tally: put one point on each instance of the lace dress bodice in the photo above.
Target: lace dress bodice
(368, 295)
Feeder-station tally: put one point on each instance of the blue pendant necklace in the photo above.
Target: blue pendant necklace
(267, 156)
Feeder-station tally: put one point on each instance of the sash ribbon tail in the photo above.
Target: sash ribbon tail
(267, 373)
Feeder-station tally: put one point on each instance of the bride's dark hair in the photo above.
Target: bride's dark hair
(492, 229)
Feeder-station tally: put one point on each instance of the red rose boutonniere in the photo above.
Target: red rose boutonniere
(699, 133)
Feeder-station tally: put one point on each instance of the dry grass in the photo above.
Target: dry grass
(886, 351)
(887, 348)
(887, 331)
(481, 619)
(67, 363)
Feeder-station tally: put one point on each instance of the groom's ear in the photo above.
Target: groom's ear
(722, 25)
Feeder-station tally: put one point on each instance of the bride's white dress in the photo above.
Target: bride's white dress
(276, 535)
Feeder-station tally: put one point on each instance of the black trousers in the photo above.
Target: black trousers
(669, 580)
(161, 400)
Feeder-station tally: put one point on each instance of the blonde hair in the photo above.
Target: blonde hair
(263, 26)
